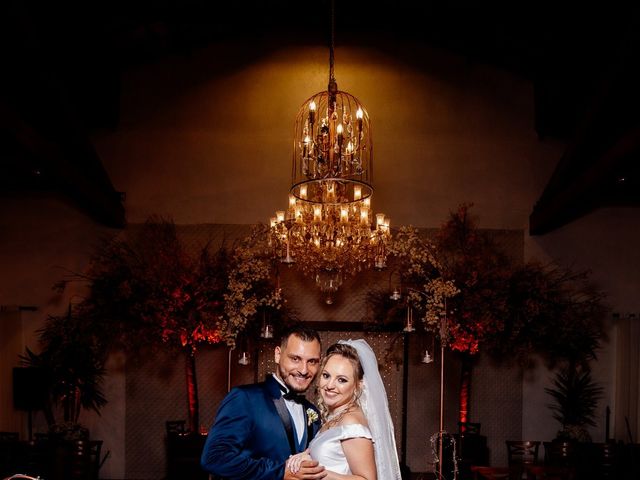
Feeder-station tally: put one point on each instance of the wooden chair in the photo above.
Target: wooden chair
(549, 472)
(176, 427)
(522, 453)
(495, 473)
(79, 467)
(41, 437)
(10, 452)
(95, 461)
(607, 459)
(471, 448)
(560, 453)
(469, 428)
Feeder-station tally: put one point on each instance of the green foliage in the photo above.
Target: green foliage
(575, 396)
(72, 357)
(551, 311)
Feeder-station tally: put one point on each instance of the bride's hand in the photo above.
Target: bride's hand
(294, 461)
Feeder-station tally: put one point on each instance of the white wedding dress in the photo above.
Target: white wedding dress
(326, 447)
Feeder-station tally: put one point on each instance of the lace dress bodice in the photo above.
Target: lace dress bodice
(326, 447)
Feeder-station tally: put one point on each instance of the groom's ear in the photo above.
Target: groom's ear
(276, 354)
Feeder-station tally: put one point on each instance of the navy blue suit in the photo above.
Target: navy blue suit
(248, 439)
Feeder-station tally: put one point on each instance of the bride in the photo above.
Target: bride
(356, 440)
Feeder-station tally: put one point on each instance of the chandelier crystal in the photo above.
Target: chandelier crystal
(328, 229)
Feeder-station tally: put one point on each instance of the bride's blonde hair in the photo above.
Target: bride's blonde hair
(345, 351)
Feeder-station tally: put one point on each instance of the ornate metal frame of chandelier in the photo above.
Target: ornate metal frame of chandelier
(327, 229)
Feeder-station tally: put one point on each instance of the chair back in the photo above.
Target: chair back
(522, 452)
(9, 436)
(95, 460)
(608, 460)
(79, 461)
(176, 427)
(469, 428)
(560, 453)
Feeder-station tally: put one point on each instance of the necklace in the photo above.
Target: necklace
(334, 417)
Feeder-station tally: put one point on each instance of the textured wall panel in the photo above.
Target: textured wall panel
(496, 402)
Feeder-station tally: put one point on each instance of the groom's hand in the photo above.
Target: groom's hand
(309, 470)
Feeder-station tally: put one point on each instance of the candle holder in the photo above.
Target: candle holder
(244, 358)
(427, 357)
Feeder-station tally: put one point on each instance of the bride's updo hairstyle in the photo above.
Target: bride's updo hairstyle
(345, 351)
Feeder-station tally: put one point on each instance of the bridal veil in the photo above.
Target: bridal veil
(375, 406)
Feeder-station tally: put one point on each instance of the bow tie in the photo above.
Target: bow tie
(291, 395)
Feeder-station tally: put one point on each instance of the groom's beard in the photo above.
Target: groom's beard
(287, 379)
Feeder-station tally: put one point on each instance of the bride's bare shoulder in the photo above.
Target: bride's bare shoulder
(355, 417)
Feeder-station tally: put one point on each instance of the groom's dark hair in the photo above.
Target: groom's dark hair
(301, 331)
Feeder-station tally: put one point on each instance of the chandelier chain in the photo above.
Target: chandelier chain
(332, 40)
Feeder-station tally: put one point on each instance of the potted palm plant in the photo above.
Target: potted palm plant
(72, 358)
(575, 399)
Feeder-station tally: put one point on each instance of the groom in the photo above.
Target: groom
(259, 426)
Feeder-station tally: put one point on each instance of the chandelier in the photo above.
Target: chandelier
(328, 229)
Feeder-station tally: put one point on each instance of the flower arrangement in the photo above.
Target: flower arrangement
(250, 285)
(480, 271)
(427, 291)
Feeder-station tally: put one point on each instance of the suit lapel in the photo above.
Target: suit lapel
(283, 412)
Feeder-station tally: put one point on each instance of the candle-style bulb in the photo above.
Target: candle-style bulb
(312, 112)
(359, 115)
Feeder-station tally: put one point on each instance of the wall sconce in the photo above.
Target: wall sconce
(427, 358)
(244, 358)
(266, 331)
(408, 326)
